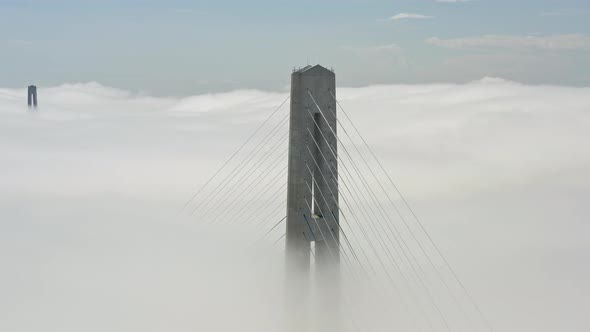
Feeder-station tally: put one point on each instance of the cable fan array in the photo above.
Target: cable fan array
(390, 263)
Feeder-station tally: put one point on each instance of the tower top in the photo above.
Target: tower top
(313, 70)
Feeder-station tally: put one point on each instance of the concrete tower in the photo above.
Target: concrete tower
(32, 96)
(312, 199)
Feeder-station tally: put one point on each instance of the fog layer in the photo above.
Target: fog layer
(91, 184)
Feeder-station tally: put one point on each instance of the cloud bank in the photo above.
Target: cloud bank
(90, 237)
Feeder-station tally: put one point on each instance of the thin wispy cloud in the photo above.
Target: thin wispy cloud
(189, 11)
(373, 49)
(19, 42)
(409, 16)
(453, 1)
(569, 42)
(566, 13)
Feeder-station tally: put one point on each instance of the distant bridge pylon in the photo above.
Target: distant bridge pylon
(32, 96)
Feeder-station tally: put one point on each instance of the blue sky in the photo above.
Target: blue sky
(181, 47)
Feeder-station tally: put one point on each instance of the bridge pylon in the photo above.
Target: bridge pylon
(312, 203)
(32, 96)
